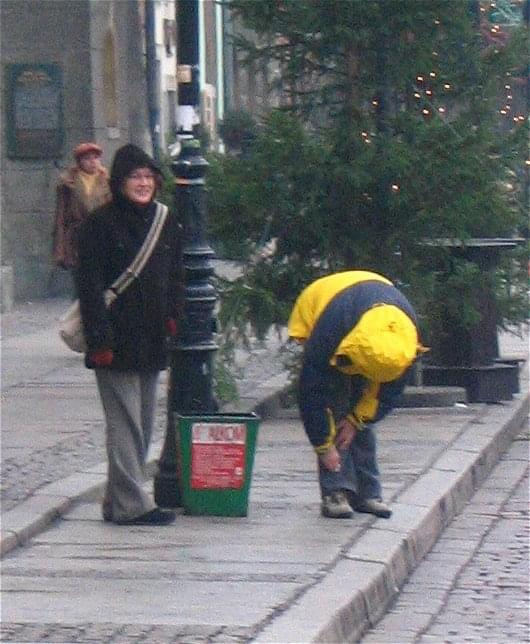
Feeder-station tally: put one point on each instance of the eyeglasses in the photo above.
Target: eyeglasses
(140, 176)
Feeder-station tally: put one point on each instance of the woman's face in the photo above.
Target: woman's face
(90, 162)
(139, 186)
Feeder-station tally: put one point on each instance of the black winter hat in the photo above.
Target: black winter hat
(128, 158)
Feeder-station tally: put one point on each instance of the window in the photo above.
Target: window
(110, 94)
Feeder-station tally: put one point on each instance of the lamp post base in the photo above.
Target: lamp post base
(166, 491)
(166, 482)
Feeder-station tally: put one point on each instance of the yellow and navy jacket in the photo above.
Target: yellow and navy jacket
(324, 317)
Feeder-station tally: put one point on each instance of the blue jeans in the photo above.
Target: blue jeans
(359, 471)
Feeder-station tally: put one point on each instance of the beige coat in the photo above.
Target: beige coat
(72, 208)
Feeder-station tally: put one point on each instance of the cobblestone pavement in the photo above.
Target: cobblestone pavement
(120, 634)
(474, 585)
(25, 473)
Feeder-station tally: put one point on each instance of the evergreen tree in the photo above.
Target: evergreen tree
(389, 137)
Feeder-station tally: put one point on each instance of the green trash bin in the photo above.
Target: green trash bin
(216, 456)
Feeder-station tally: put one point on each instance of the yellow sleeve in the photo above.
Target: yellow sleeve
(301, 320)
(366, 409)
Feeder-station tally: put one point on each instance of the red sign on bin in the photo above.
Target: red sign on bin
(218, 455)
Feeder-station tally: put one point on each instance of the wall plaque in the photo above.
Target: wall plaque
(34, 117)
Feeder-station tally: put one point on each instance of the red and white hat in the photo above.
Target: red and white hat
(86, 148)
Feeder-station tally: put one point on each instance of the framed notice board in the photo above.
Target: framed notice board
(34, 111)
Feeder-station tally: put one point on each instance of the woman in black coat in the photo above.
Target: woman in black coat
(127, 342)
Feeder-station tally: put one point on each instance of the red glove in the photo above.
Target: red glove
(171, 326)
(101, 358)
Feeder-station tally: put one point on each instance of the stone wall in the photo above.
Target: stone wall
(71, 34)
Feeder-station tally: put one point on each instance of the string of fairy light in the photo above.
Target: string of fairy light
(497, 36)
(431, 91)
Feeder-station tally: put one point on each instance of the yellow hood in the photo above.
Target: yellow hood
(381, 345)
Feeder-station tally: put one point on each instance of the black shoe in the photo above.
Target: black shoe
(153, 517)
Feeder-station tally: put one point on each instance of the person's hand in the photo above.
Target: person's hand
(331, 459)
(346, 431)
(101, 358)
(171, 326)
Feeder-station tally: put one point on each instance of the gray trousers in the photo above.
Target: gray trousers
(129, 402)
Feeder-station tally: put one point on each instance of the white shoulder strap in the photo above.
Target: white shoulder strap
(138, 263)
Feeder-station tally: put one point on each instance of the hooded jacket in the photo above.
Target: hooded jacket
(356, 323)
(72, 207)
(134, 326)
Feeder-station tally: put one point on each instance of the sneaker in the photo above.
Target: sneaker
(153, 517)
(335, 506)
(373, 506)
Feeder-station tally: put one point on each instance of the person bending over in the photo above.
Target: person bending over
(360, 338)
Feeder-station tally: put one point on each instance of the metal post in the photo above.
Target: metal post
(152, 75)
(192, 351)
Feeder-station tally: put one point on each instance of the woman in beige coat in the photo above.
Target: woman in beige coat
(80, 189)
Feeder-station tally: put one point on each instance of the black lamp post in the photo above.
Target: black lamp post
(192, 351)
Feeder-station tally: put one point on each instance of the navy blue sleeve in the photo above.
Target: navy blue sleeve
(313, 396)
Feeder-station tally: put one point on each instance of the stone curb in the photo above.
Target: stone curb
(53, 501)
(367, 577)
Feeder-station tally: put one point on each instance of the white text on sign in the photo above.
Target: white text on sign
(219, 433)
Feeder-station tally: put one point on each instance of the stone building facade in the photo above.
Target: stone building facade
(76, 70)
(88, 61)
